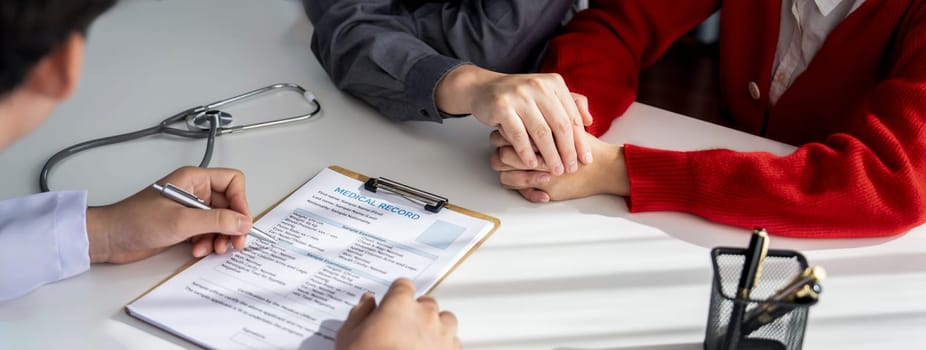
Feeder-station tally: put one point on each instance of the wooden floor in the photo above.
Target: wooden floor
(685, 80)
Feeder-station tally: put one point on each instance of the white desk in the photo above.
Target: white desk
(581, 274)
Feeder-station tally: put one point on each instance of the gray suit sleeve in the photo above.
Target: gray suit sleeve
(392, 55)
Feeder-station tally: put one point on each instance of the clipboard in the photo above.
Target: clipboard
(428, 201)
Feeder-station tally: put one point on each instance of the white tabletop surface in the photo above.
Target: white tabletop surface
(581, 274)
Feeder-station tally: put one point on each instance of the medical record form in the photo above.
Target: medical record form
(335, 241)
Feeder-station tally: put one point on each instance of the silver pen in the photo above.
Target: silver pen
(178, 195)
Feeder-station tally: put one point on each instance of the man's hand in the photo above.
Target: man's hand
(146, 223)
(528, 108)
(400, 323)
(608, 175)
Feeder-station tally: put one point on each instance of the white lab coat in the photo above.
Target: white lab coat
(43, 239)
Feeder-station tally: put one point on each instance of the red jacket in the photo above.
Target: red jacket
(858, 114)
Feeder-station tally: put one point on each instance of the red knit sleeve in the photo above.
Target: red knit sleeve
(602, 50)
(868, 180)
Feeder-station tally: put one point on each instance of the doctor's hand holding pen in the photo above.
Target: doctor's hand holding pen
(400, 322)
(147, 223)
(530, 109)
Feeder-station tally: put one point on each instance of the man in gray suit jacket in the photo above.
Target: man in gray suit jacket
(429, 60)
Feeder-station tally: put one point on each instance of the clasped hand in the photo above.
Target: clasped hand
(607, 175)
(532, 109)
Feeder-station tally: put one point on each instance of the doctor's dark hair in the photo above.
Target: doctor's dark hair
(31, 29)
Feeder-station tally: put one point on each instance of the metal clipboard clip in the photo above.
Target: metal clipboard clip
(432, 202)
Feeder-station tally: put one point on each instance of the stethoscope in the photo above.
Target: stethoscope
(201, 121)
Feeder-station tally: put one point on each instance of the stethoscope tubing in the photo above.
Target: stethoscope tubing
(215, 129)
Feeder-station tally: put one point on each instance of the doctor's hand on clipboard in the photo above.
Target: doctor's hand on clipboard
(333, 278)
(399, 322)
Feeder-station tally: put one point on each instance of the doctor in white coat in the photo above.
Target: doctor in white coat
(52, 236)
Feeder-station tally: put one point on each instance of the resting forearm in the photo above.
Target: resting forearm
(394, 57)
(97, 236)
(456, 92)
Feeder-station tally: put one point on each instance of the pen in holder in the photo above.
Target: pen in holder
(769, 321)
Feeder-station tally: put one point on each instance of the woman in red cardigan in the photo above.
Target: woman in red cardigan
(843, 79)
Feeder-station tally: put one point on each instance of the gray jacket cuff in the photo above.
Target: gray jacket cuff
(421, 85)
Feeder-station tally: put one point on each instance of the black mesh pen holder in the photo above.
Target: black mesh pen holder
(765, 324)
